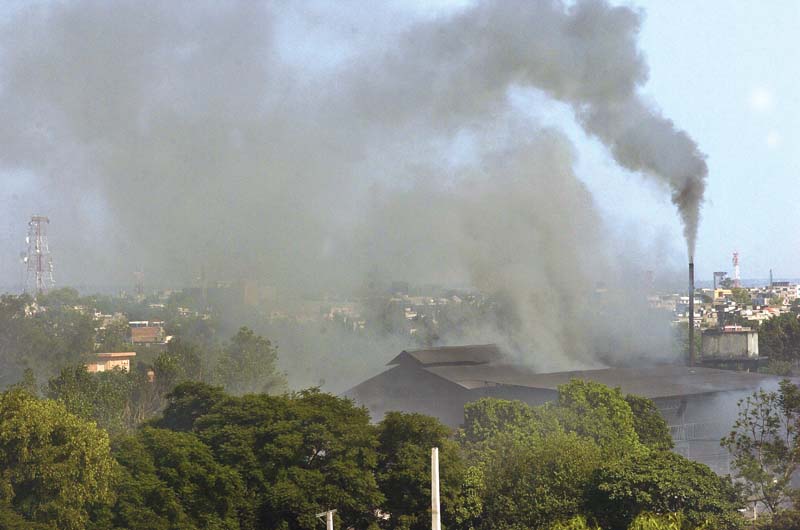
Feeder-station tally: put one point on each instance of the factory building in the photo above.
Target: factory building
(698, 403)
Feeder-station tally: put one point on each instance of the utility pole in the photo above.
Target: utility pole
(328, 518)
(436, 522)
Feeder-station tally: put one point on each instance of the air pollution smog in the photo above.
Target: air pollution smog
(397, 265)
(321, 149)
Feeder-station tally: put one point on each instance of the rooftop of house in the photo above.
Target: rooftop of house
(116, 355)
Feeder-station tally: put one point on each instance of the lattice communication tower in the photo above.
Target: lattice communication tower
(38, 261)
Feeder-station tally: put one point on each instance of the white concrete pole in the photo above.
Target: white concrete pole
(328, 515)
(436, 522)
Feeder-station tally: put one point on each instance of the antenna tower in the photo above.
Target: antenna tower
(736, 278)
(38, 261)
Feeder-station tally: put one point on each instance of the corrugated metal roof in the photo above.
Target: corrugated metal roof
(451, 355)
(651, 382)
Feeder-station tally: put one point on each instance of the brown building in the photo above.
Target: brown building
(105, 362)
(147, 333)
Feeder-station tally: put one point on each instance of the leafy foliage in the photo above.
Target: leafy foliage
(487, 417)
(297, 454)
(117, 400)
(779, 338)
(54, 466)
(536, 480)
(403, 473)
(741, 296)
(248, 365)
(764, 444)
(42, 335)
(595, 411)
(661, 482)
(115, 337)
(648, 423)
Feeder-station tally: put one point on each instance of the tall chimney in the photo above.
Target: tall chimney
(436, 523)
(691, 314)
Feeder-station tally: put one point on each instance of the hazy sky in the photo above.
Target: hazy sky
(728, 72)
(725, 72)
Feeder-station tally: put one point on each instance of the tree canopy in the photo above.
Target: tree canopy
(54, 466)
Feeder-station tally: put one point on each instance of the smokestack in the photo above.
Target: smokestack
(691, 313)
(436, 523)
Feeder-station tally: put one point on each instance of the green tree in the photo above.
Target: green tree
(118, 400)
(661, 482)
(297, 454)
(649, 424)
(209, 492)
(182, 361)
(404, 453)
(779, 338)
(102, 397)
(248, 364)
(115, 337)
(783, 520)
(54, 466)
(187, 402)
(488, 417)
(598, 412)
(764, 444)
(537, 480)
(578, 522)
(741, 296)
(41, 336)
(144, 501)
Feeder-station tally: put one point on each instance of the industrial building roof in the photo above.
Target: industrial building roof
(451, 355)
(652, 382)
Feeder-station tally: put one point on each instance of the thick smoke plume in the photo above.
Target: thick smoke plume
(311, 147)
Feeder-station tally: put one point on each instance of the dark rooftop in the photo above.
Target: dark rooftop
(651, 382)
(472, 355)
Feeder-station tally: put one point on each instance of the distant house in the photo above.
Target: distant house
(698, 403)
(105, 362)
(145, 332)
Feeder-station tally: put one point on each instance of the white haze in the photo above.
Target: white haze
(309, 146)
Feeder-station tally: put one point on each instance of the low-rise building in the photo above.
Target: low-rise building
(105, 362)
(147, 332)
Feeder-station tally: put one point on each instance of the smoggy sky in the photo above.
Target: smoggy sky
(728, 72)
(724, 72)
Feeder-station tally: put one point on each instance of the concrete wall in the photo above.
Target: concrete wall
(730, 345)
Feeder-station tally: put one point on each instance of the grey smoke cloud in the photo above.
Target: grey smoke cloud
(309, 145)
